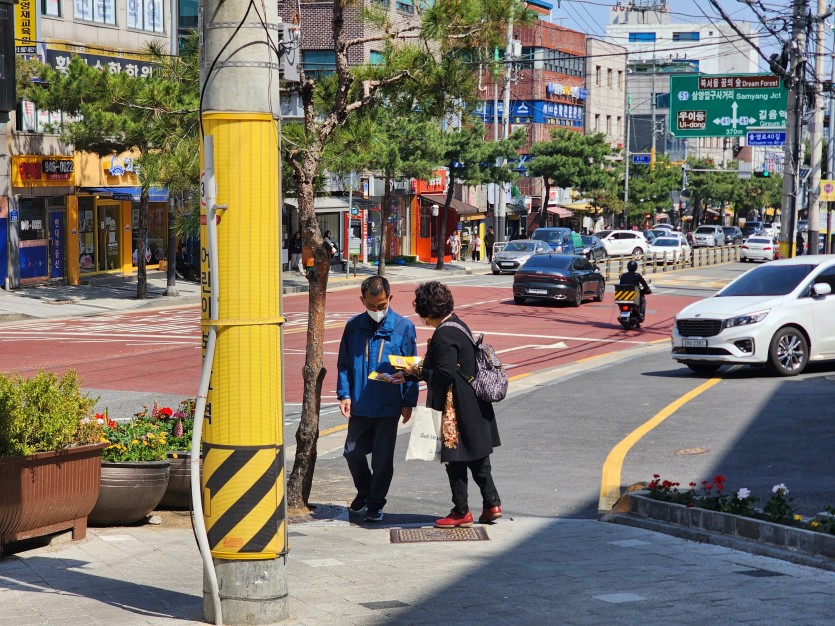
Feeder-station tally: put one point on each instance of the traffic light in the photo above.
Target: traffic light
(762, 173)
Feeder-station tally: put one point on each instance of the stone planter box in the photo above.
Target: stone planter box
(48, 492)
(129, 491)
(773, 539)
(178, 494)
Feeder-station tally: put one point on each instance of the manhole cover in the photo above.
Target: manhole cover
(419, 535)
(692, 451)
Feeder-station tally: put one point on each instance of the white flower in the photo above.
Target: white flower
(781, 489)
(99, 421)
(743, 493)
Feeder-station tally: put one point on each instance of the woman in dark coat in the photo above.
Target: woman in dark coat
(448, 365)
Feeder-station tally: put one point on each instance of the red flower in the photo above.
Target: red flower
(692, 484)
(165, 412)
(708, 487)
(656, 475)
(653, 484)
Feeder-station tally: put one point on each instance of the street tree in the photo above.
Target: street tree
(424, 59)
(754, 194)
(710, 190)
(113, 113)
(649, 188)
(572, 160)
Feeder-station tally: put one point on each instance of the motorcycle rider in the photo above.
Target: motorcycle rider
(632, 277)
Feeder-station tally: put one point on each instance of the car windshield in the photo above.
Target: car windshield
(729, 231)
(759, 240)
(705, 230)
(550, 261)
(553, 236)
(666, 242)
(519, 246)
(768, 280)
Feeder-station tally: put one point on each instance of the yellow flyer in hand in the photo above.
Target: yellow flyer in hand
(402, 362)
(381, 376)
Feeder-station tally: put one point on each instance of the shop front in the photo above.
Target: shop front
(36, 214)
(397, 224)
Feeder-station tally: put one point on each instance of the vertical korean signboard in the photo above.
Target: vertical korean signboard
(726, 106)
(26, 27)
(56, 235)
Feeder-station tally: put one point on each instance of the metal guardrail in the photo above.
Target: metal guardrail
(613, 267)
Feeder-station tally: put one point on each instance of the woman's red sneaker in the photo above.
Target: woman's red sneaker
(455, 520)
(490, 515)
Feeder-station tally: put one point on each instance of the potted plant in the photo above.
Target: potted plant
(179, 424)
(50, 455)
(134, 471)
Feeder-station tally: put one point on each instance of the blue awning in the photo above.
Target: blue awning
(155, 194)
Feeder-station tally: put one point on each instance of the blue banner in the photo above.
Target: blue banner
(56, 233)
(766, 138)
(33, 260)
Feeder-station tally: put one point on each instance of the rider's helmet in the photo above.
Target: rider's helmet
(632, 266)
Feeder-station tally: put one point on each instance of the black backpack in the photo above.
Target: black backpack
(490, 380)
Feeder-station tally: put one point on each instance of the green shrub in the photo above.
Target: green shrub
(44, 413)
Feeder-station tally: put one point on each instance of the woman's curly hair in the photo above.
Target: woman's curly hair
(433, 299)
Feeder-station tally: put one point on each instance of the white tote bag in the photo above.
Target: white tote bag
(425, 440)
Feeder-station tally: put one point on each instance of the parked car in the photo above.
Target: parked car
(663, 227)
(620, 242)
(771, 230)
(759, 248)
(781, 314)
(750, 231)
(652, 235)
(558, 277)
(733, 235)
(593, 248)
(560, 239)
(669, 250)
(657, 232)
(708, 236)
(515, 253)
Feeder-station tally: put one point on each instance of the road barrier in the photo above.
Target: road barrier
(613, 267)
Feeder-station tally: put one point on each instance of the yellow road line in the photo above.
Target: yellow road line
(610, 483)
(335, 429)
(518, 376)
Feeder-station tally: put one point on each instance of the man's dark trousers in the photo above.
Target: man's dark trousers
(376, 436)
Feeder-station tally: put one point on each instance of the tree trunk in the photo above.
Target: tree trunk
(300, 480)
(442, 227)
(385, 212)
(141, 271)
(543, 210)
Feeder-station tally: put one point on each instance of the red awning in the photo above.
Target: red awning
(461, 207)
(555, 210)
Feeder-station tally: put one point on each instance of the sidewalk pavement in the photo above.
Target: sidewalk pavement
(117, 292)
(531, 571)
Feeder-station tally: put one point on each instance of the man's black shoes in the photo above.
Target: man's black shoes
(358, 505)
(374, 515)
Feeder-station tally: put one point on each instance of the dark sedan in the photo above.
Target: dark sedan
(593, 248)
(733, 235)
(558, 277)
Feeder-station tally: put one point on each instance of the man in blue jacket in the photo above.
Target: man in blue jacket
(374, 407)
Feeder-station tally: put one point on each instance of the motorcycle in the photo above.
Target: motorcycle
(628, 299)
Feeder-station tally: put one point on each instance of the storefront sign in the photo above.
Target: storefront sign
(56, 228)
(14, 215)
(42, 171)
(26, 27)
(58, 55)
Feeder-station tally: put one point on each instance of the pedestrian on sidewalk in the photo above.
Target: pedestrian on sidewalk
(468, 423)
(295, 250)
(801, 244)
(476, 244)
(374, 407)
(454, 243)
(489, 240)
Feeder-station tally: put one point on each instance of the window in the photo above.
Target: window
(597, 70)
(425, 221)
(620, 79)
(318, 63)
(619, 126)
(99, 11)
(609, 78)
(641, 37)
(564, 63)
(608, 124)
(375, 57)
(405, 6)
(146, 15)
(52, 8)
(686, 36)
(662, 101)
(597, 122)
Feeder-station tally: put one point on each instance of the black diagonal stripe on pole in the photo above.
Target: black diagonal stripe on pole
(248, 501)
(267, 532)
(226, 470)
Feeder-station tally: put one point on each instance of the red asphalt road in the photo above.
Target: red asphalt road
(159, 351)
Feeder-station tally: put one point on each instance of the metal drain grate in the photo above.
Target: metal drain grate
(384, 604)
(419, 535)
(759, 573)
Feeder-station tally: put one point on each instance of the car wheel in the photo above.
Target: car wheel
(578, 297)
(788, 352)
(519, 299)
(705, 369)
(601, 290)
(637, 252)
(496, 272)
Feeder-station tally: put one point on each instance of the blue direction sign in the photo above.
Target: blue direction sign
(766, 138)
(642, 159)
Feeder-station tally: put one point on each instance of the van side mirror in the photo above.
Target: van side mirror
(821, 289)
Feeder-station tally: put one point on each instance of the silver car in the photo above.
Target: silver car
(515, 253)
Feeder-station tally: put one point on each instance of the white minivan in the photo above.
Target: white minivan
(708, 236)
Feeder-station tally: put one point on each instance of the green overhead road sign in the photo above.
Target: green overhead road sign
(704, 105)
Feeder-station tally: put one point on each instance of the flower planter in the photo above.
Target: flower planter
(764, 537)
(178, 494)
(48, 492)
(129, 491)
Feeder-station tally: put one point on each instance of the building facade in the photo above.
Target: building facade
(68, 214)
(606, 86)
